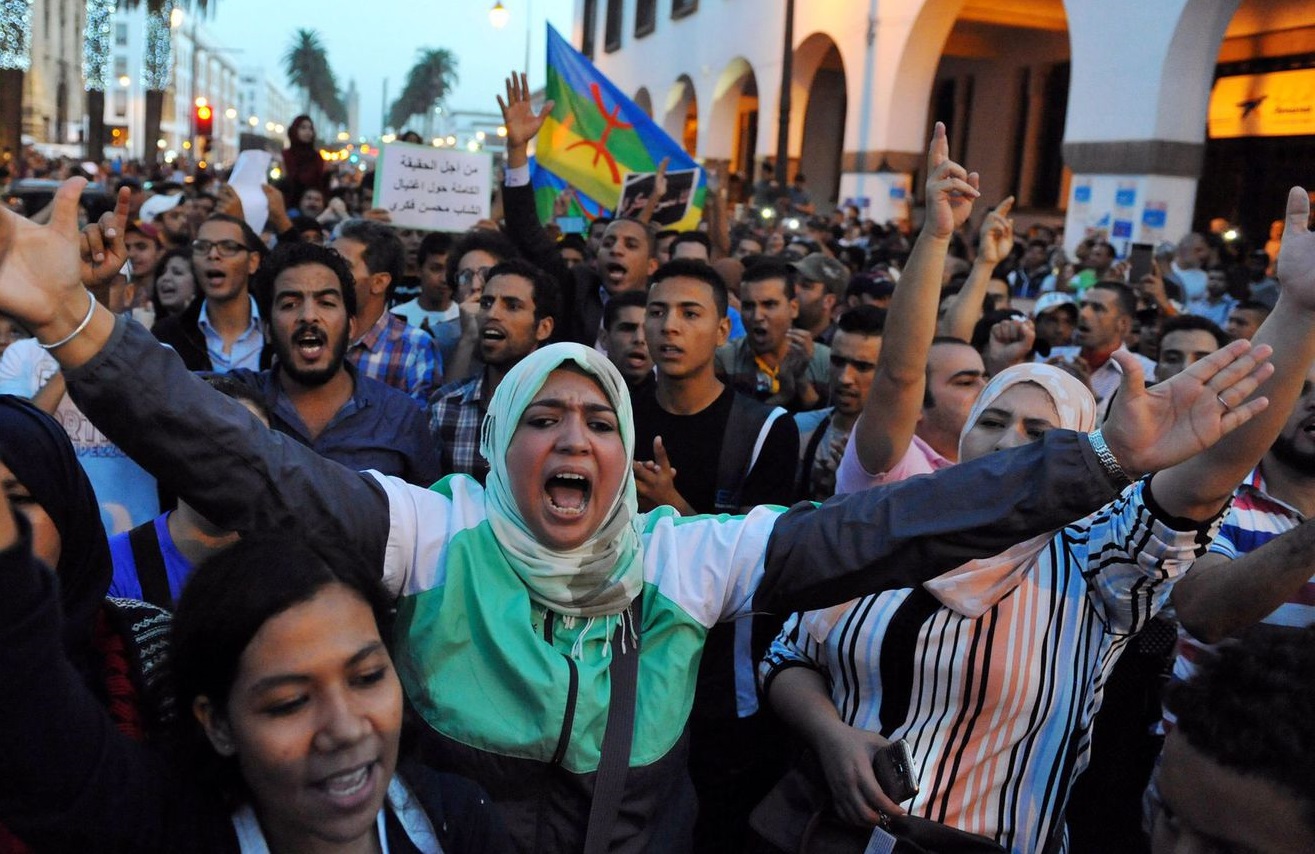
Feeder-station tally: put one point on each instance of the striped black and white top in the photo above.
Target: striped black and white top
(998, 709)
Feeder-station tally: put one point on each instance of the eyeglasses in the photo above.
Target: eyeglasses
(227, 248)
(840, 362)
(467, 277)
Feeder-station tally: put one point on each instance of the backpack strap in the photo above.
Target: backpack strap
(151, 572)
(746, 432)
(618, 735)
(806, 465)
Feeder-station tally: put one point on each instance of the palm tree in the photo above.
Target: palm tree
(308, 69)
(157, 65)
(306, 64)
(430, 79)
(15, 59)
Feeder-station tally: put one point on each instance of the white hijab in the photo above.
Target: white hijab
(602, 575)
(973, 588)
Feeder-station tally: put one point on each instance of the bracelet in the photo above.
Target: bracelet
(1113, 470)
(86, 321)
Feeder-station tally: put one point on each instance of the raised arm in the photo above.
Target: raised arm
(1221, 597)
(885, 427)
(994, 243)
(1198, 488)
(204, 446)
(902, 534)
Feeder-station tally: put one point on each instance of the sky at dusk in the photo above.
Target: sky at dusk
(370, 40)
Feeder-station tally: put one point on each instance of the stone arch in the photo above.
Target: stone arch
(644, 101)
(818, 97)
(680, 113)
(733, 118)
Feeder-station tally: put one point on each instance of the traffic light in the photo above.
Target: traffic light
(203, 118)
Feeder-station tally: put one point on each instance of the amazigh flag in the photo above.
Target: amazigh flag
(547, 187)
(595, 135)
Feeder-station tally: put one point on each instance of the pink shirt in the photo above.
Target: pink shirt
(920, 458)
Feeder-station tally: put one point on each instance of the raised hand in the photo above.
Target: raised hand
(102, 248)
(1010, 343)
(40, 271)
(951, 189)
(229, 202)
(1149, 429)
(660, 181)
(1296, 254)
(278, 212)
(518, 113)
(996, 237)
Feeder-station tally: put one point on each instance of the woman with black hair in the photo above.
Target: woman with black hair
(290, 732)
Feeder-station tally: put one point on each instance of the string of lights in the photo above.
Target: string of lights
(96, 45)
(16, 35)
(157, 65)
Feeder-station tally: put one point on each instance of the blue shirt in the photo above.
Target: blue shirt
(126, 585)
(245, 352)
(378, 428)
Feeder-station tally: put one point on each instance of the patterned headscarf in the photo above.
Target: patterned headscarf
(605, 573)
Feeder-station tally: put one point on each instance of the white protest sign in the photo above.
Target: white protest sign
(248, 174)
(434, 189)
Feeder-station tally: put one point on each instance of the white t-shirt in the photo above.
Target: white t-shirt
(413, 314)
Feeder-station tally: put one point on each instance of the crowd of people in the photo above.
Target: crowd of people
(341, 536)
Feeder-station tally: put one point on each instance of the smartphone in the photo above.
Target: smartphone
(1139, 261)
(893, 766)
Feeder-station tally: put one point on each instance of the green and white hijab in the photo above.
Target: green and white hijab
(604, 574)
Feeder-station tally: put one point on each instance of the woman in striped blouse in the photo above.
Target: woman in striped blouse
(993, 672)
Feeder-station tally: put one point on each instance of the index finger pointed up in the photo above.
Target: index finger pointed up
(64, 217)
(939, 150)
(1298, 218)
(660, 453)
(1004, 207)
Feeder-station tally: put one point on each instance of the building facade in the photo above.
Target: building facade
(53, 98)
(1090, 110)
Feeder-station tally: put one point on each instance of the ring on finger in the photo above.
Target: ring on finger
(1223, 403)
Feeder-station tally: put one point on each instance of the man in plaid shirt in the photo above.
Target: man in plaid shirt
(386, 349)
(516, 313)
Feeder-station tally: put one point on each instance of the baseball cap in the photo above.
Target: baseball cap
(156, 205)
(1052, 301)
(825, 269)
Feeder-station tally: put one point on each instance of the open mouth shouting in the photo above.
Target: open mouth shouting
(310, 342)
(568, 493)
(615, 272)
(352, 788)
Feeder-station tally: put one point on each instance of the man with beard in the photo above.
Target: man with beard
(312, 393)
(516, 310)
(821, 285)
(222, 331)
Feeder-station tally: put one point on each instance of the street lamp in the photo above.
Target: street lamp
(499, 17)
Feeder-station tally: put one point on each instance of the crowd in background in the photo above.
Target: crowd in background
(785, 351)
